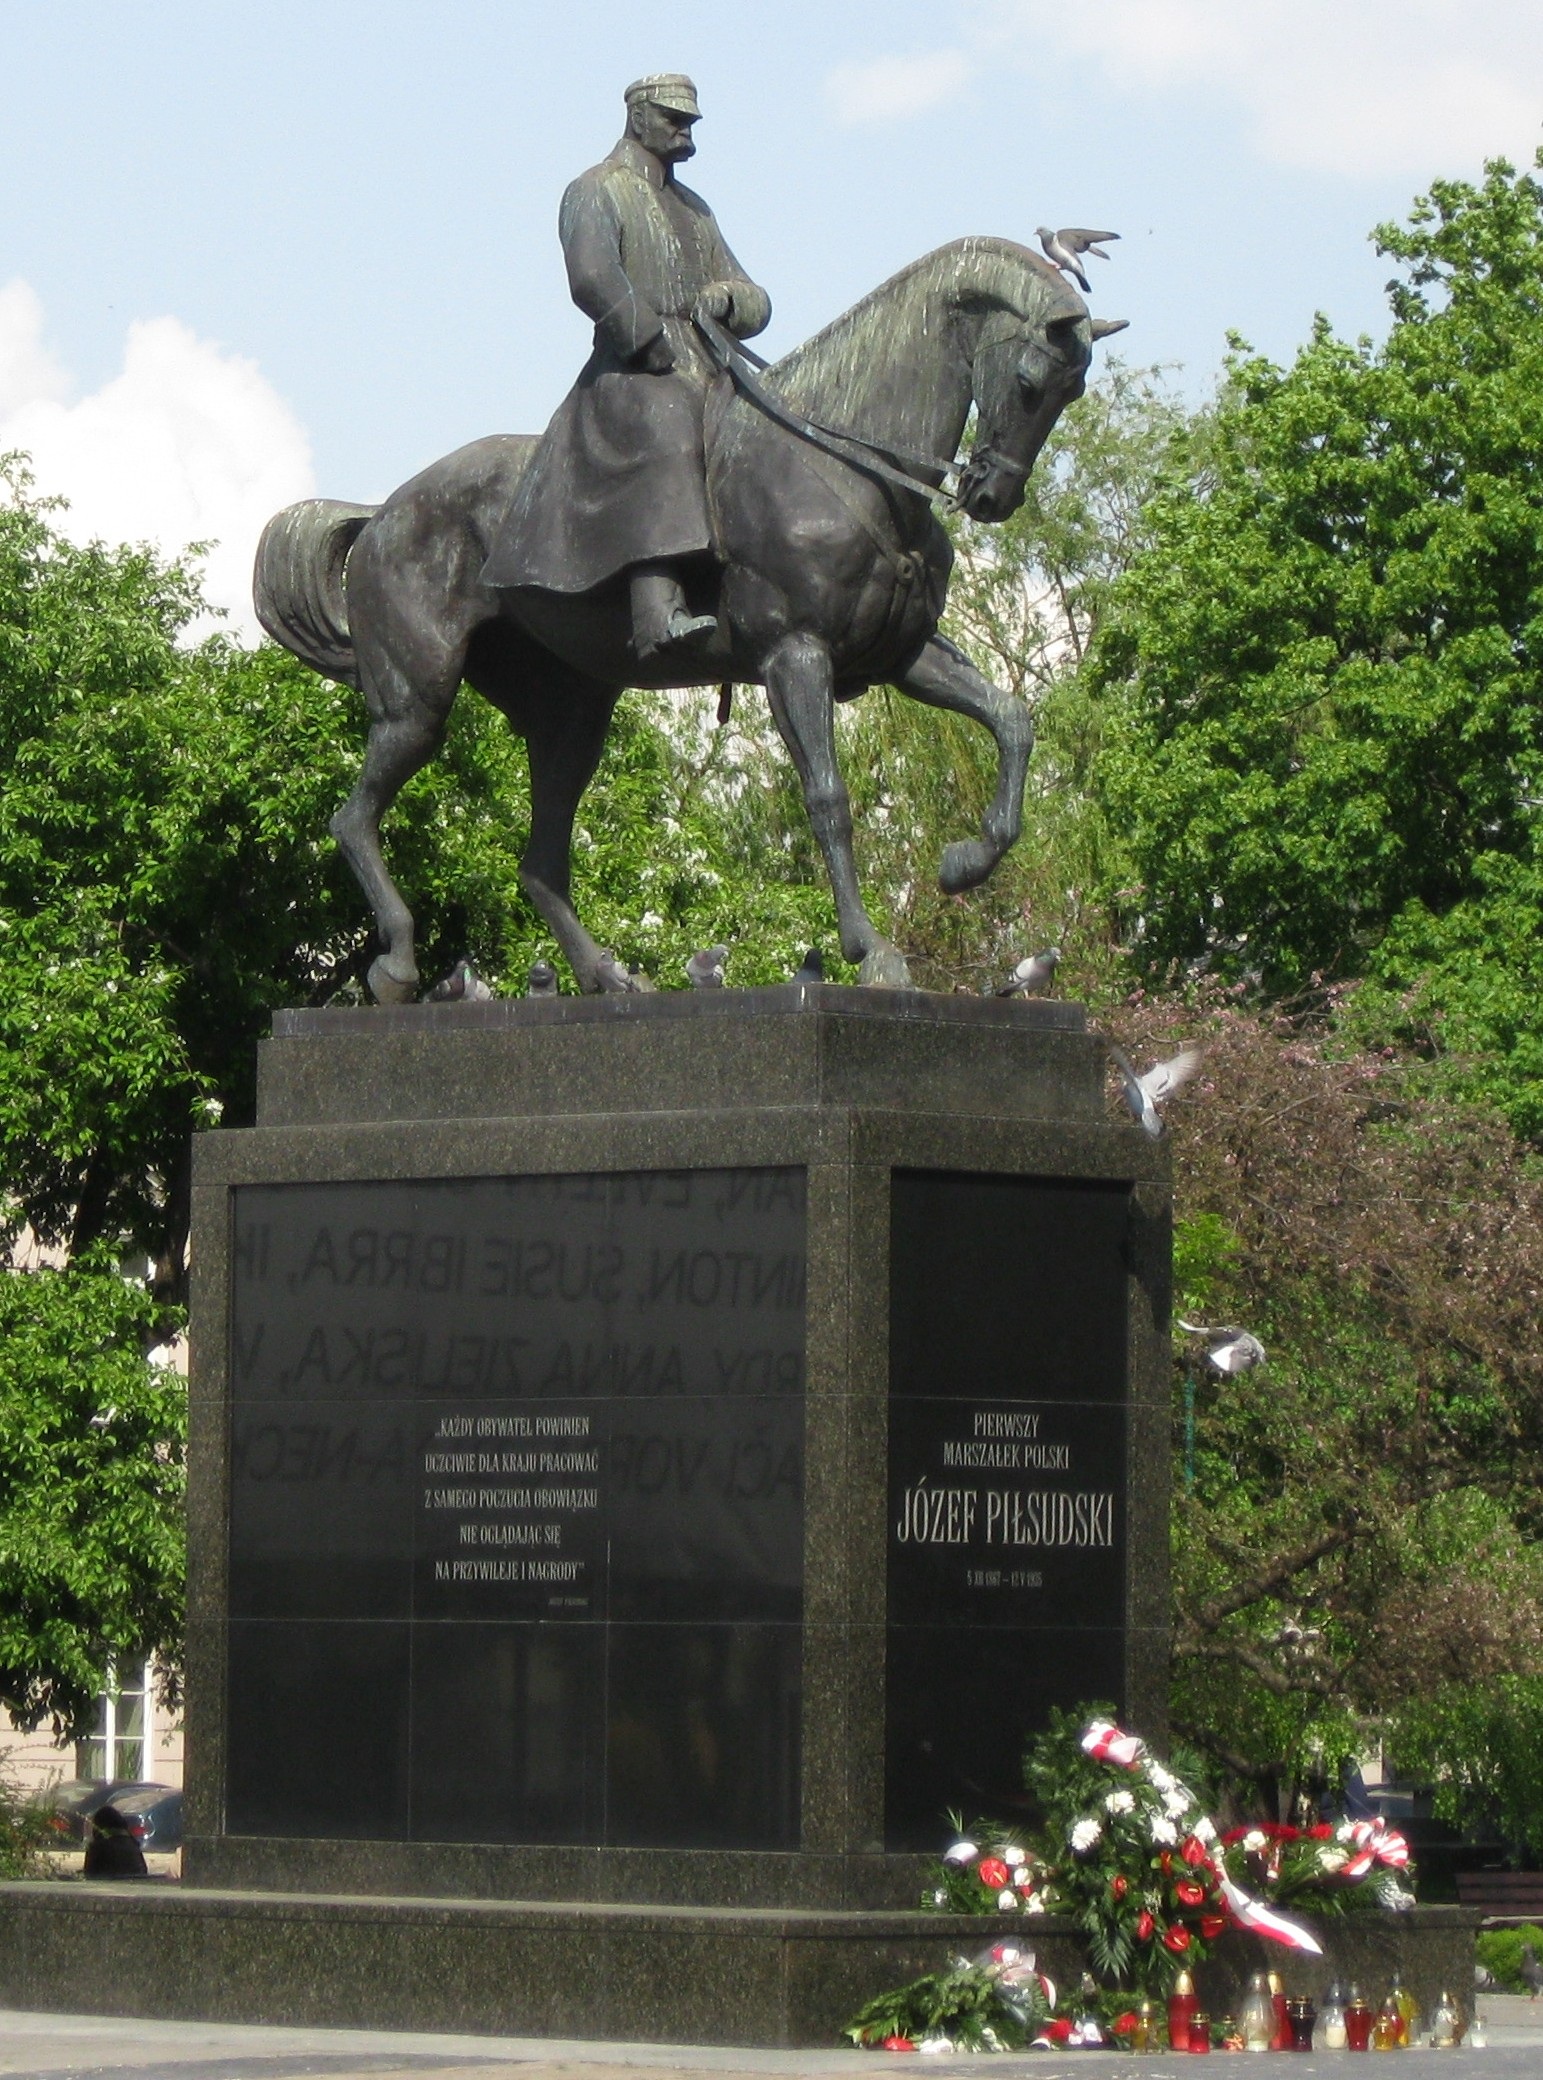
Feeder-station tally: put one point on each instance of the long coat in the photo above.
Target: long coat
(620, 476)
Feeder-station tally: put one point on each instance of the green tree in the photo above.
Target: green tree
(91, 1484)
(1356, 1530)
(1322, 745)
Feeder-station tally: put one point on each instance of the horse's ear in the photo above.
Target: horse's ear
(1102, 327)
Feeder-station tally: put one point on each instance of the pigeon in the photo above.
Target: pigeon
(1146, 1095)
(463, 985)
(542, 980)
(103, 1418)
(617, 979)
(1531, 1971)
(1229, 1348)
(813, 969)
(704, 970)
(1036, 971)
(1066, 248)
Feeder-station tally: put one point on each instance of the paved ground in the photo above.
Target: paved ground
(94, 2047)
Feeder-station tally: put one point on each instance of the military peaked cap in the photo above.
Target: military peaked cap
(670, 90)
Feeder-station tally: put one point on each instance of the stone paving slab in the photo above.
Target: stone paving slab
(93, 2047)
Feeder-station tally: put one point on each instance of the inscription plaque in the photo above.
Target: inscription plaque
(1007, 1481)
(516, 1548)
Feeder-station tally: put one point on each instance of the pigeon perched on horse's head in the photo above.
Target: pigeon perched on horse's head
(1067, 247)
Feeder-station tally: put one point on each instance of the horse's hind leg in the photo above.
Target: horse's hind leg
(799, 686)
(407, 720)
(944, 677)
(563, 719)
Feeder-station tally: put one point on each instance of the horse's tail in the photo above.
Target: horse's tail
(297, 585)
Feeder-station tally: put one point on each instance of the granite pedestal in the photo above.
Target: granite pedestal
(663, 1453)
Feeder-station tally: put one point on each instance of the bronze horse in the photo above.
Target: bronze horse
(831, 575)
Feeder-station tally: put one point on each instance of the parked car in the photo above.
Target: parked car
(153, 1811)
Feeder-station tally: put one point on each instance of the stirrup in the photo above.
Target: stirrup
(681, 628)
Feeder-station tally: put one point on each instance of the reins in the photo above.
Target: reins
(880, 459)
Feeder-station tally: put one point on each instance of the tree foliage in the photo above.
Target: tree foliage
(1358, 1527)
(1323, 740)
(91, 1484)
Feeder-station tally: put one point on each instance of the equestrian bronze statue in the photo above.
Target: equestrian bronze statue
(691, 517)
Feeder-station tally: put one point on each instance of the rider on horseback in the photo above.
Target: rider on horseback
(619, 481)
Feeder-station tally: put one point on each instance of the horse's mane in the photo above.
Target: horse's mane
(989, 270)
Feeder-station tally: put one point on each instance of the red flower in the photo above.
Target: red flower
(1321, 1833)
(1176, 1939)
(1190, 1893)
(1211, 1926)
(992, 1871)
(898, 2044)
(1193, 1851)
(1059, 2030)
(1119, 1885)
(1144, 1927)
(1165, 1863)
(1122, 2025)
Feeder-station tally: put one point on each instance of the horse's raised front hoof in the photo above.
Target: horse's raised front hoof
(966, 864)
(387, 986)
(885, 968)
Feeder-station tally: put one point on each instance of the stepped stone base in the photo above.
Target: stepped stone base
(647, 1974)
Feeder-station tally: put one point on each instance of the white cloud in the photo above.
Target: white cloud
(1351, 87)
(880, 90)
(188, 443)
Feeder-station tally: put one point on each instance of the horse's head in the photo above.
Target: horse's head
(1025, 372)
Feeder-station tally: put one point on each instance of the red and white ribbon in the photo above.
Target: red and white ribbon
(1252, 1914)
(1105, 1743)
(1375, 1842)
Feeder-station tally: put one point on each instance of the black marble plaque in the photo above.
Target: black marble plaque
(1007, 1481)
(544, 1436)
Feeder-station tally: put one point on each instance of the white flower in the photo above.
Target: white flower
(1162, 1778)
(1331, 1857)
(1119, 1802)
(1163, 1830)
(1203, 1831)
(1012, 1855)
(961, 1852)
(1084, 1834)
(1255, 1841)
(1007, 1900)
(941, 2044)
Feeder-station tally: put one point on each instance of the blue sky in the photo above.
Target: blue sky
(323, 234)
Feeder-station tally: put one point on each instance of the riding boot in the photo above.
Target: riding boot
(660, 616)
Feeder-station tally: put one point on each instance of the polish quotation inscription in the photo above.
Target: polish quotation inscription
(517, 1483)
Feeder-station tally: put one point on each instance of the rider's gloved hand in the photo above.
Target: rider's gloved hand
(716, 301)
(658, 357)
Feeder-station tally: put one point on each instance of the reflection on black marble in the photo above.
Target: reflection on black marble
(321, 1511)
(1006, 1287)
(960, 1702)
(508, 1733)
(318, 1730)
(554, 1426)
(703, 1736)
(1008, 1535)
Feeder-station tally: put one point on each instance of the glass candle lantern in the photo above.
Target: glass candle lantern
(1358, 2022)
(1331, 2020)
(1301, 2014)
(1257, 2018)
